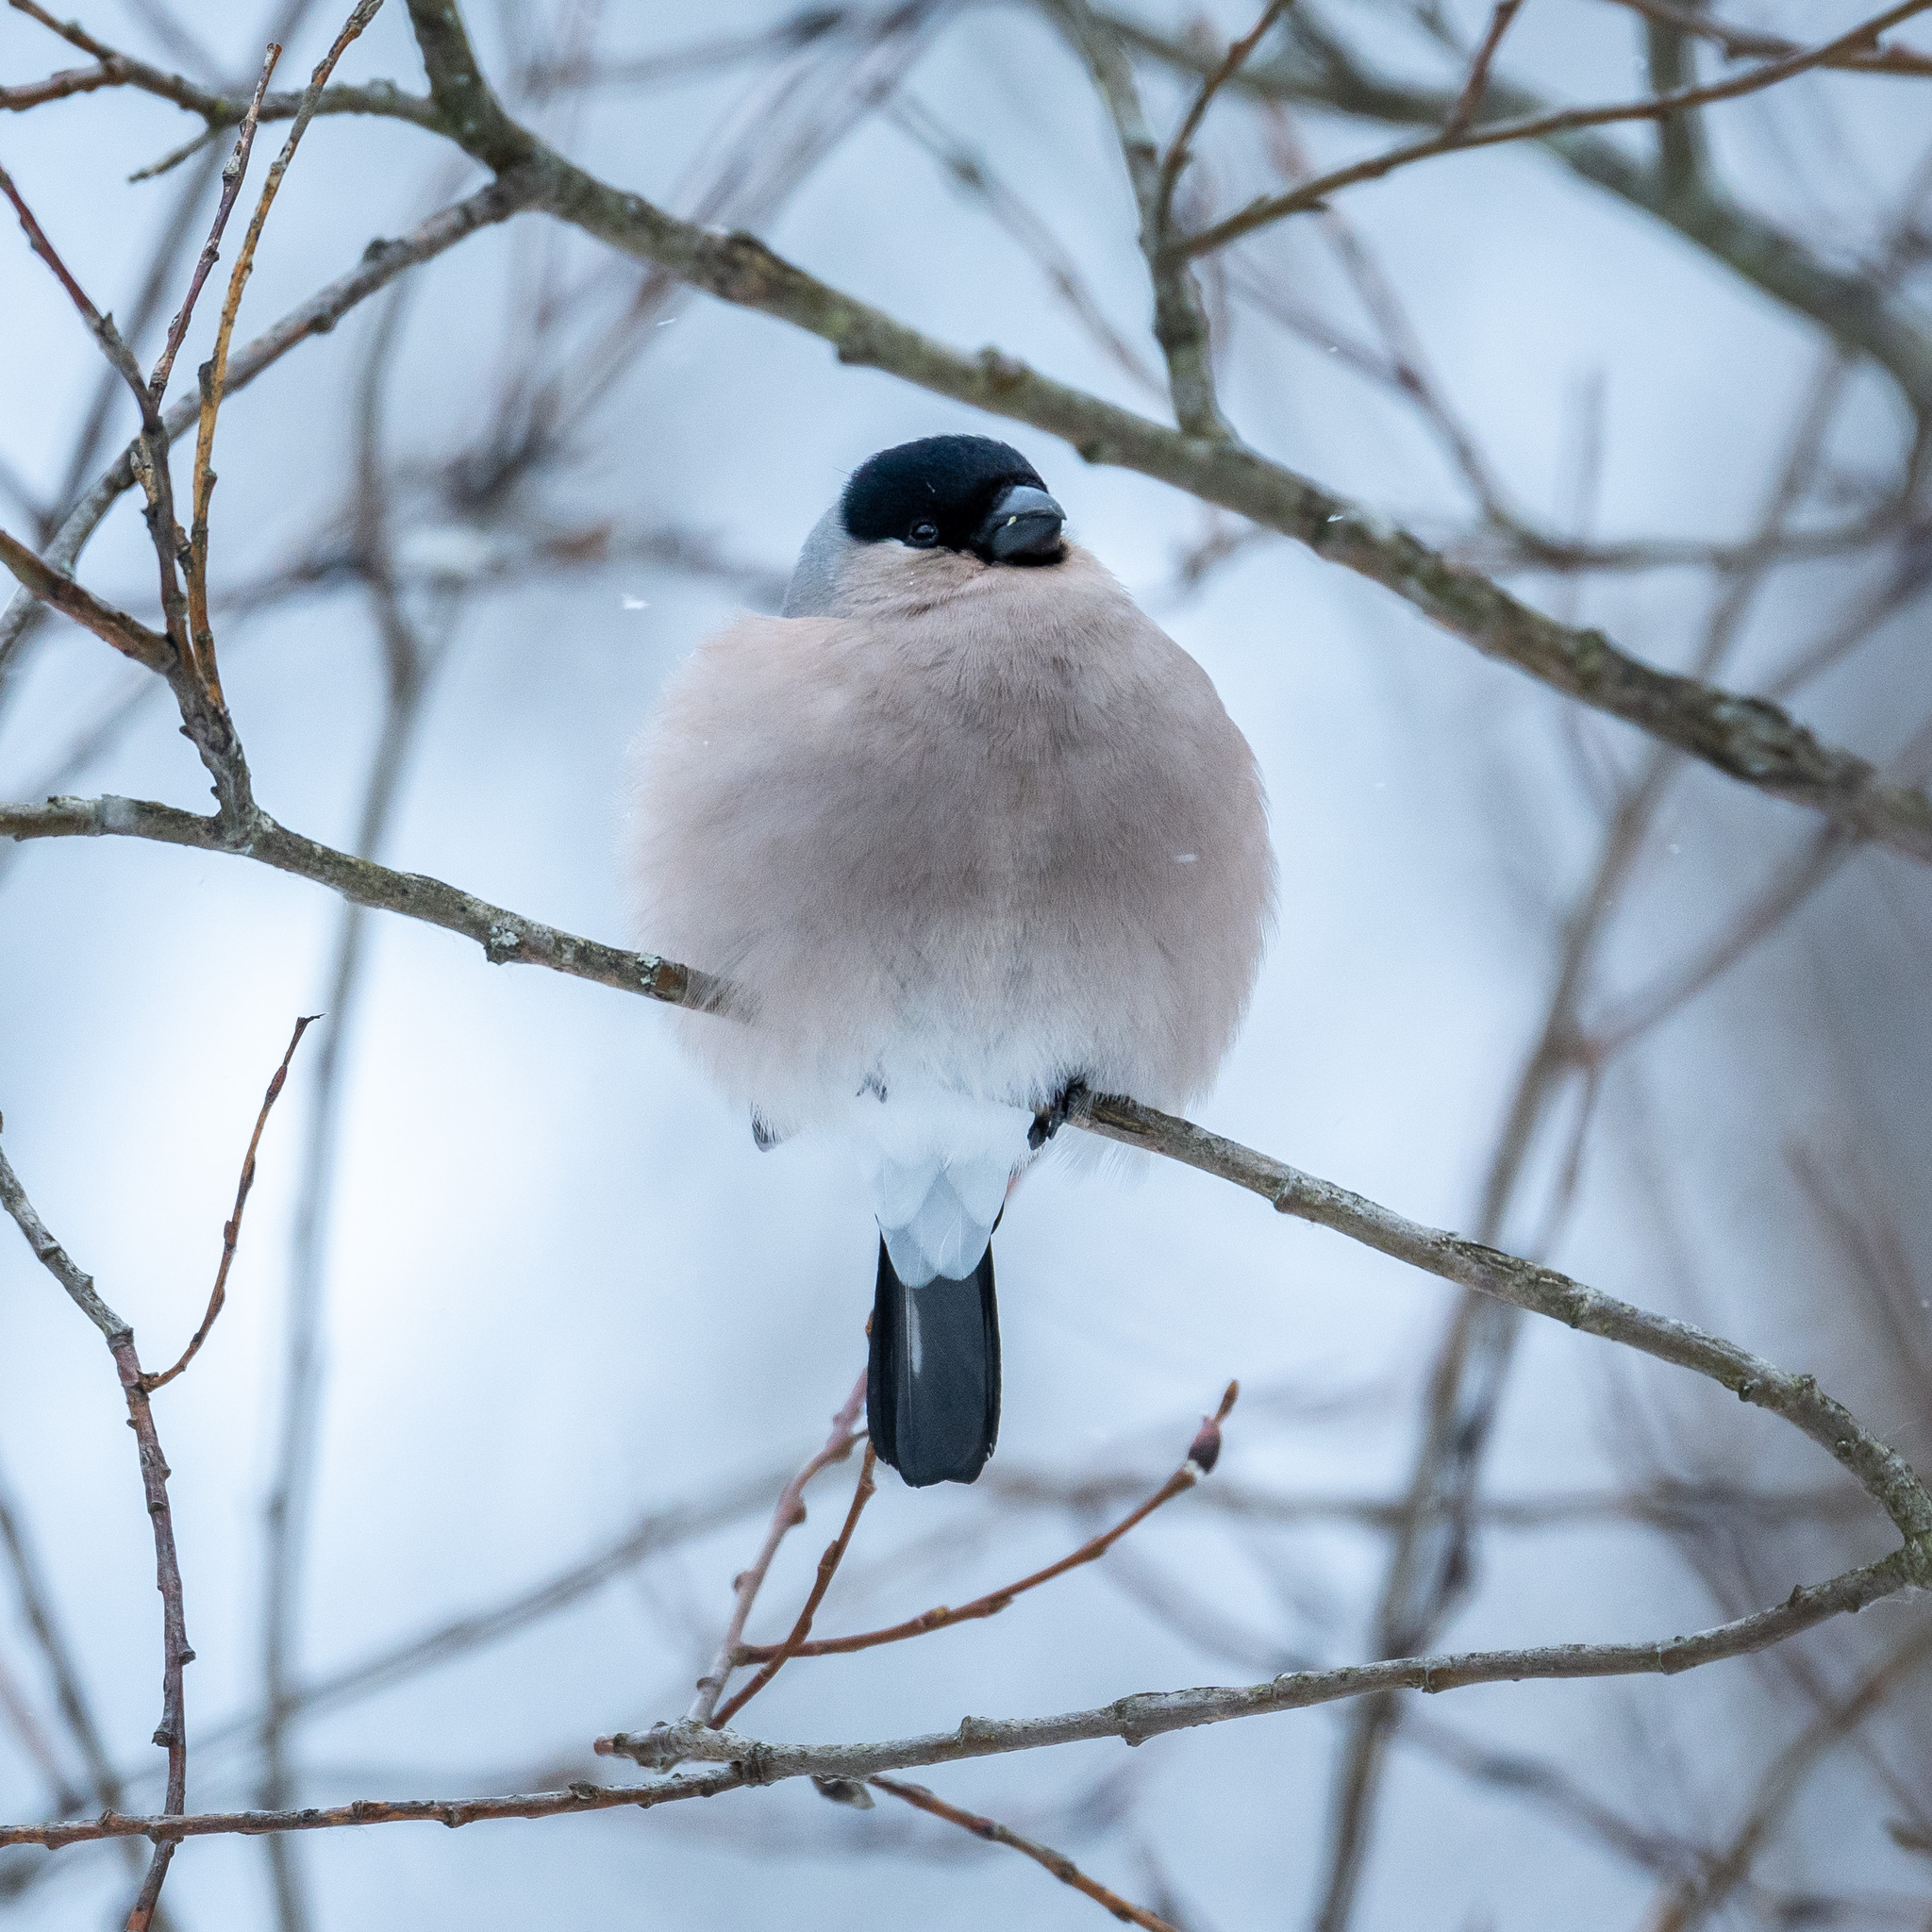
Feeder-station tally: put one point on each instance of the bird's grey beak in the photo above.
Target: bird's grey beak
(1025, 526)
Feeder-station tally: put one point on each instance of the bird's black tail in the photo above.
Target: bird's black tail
(932, 1380)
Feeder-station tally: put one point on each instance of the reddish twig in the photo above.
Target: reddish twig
(231, 1231)
(1736, 43)
(1202, 1455)
(1058, 1863)
(1177, 156)
(1272, 208)
(233, 169)
(214, 374)
(37, 241)
(172, 1734)
(1479, 82)
(57, 87)
(787, 1514)
(828, 1565)
(127, 635)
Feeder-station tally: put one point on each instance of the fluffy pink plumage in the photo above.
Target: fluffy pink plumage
(987, 829)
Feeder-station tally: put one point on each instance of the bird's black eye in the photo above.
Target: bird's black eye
(924, 534)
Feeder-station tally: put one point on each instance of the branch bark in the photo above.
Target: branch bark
(1744, 737)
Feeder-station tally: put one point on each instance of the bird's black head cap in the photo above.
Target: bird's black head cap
(955, 492)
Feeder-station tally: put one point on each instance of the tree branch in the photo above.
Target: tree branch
(1058, 1863)
(172, 1734)
(231, 1231)
(1134, 1720)
(781, 1654)
(787, 1514)
(1180, 323)
(1744, 737)
(1323, 72)
(506, 937)
(1202, 1455)
(382, 263)
(219, 110)
(1269, 208)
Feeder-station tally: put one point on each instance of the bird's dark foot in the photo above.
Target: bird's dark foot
(1050, 1118)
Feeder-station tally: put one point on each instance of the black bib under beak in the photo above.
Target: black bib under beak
(1023, 527)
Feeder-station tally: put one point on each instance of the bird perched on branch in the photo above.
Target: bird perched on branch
(965, 832)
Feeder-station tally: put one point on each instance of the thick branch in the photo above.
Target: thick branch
(1153, 1714)
(506, 937)
(1747, 737)
(1134, 1718)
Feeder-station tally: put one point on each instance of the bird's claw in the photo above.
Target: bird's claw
(1050, 1118)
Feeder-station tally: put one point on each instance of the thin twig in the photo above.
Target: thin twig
(1473, 89)
(1200, 1460)
(828, 1566)
(1270, 209)
(1180, 323)
(382, 261)
(204, 717)
(231, 1231)
(1738, 43)
(1180, 149)
(215, 375)
(172, 1733)
(59, 591)
(787, 1514)
(233, 171)
(1695, 1898)
(1058, 1863)
(219, 110)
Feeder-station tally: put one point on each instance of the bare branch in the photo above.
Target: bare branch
(1269, 208)
(172, 1733)
(1153, 1714)
(1696, 1898)
(1133, 1719)
(801, 1629)
(1180, 323)
(231, 1231)
(382, 263)
(1058, 1863)
(1173, 162)
(214, 377)
(1323, 72)
(787, 1514)
(58, 592)
(382, 97)
(1200, 1460)
(1738, 42)
(1470, 99)
(506, 937)
(233, 172)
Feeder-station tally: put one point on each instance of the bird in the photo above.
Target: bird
(966, 834)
